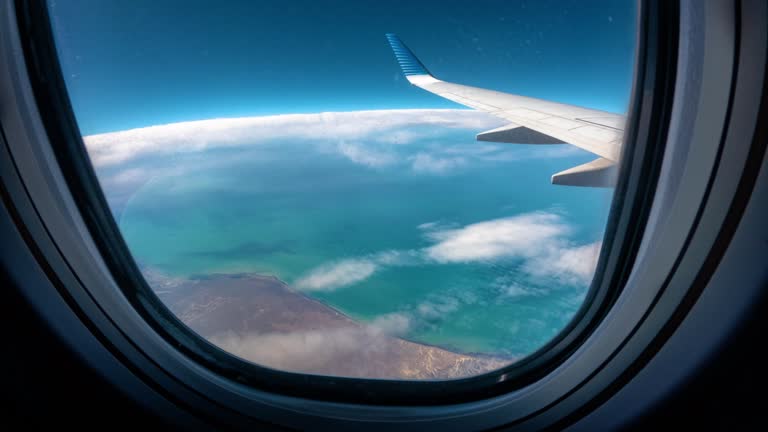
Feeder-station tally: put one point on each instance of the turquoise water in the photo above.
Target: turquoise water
(289, 207)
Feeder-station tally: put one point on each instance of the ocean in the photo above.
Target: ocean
(465, 245)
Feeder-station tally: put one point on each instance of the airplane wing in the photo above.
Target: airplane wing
(532, 121)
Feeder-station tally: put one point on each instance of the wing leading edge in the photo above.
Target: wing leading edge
(532, 121)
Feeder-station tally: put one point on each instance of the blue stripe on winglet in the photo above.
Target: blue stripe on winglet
(405, 57)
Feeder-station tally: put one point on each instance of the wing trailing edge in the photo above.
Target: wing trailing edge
(513, 133)
(597, 173)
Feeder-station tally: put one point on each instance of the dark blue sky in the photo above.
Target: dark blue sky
(142, 62)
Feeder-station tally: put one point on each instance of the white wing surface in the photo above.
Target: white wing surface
(532, 121)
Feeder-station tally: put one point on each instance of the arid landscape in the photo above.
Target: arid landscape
(261, 319)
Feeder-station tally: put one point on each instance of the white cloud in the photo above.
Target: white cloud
(332, 276)
(398, 137)
(369, 138)
(130, 176)
(437, 309)
(519, 285)
(391, 324)
(382, 125)
(436, 225)
(299, 350)
(396, 258)
(570, 264)
(428, 225)
(345, 272)
(428, 163)
(366, 156)
(518, 236)
(308, 350)
(518, 290)
(539, 239)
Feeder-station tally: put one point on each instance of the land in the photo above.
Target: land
(261, 319)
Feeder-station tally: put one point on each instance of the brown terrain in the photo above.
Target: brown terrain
(261, 319)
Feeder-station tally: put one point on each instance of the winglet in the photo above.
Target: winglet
(408, 62)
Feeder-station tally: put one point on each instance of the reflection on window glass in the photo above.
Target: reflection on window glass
(300, 192)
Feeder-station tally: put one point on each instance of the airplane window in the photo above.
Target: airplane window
(396, 190)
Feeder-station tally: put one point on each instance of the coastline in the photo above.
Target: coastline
(294, 291)
(260, 318)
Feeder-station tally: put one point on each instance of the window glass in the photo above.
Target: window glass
(296, 199)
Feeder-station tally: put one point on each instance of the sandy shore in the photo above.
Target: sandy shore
(263, 320)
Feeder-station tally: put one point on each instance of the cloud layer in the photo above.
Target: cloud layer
(427, 163)
(387, 126)
(420, 141)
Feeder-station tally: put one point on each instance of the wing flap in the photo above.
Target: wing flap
(516, 134)
(597, 173)
(604, 146)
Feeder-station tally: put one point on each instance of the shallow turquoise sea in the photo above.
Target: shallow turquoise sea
(289, 207)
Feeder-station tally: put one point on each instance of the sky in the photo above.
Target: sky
(144, 62)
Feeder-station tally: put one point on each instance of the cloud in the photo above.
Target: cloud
(366, 156)
(396, 258)
(365, 351)
(386, 126)
(436, 225)
(399, 137)
(427, 163)
(339, 274)
(569, 264)
(391, 324)
(428, 225)
(437, 309)
(308, 350)
(126, 160)
(539, 240)
(332, 276)
(515, 289)
(514, 286)
(300, 350)
(130, 176)
(518, 236)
